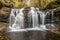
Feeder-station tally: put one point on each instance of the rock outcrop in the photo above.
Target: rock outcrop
(4, 14)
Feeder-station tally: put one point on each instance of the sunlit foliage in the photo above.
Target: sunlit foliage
(12, 3)
(41, 3)
(54, 5)
(18, 4)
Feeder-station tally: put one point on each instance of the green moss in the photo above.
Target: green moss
(56, 19)
(3, 23)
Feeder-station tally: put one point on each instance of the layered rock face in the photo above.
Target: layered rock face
(4, 13)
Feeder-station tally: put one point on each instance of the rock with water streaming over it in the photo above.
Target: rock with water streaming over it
(30, 18)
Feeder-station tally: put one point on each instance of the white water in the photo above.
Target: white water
(42, 17)
(12, 17)
(34, 17)
(16, 22)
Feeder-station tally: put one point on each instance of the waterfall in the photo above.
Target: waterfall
(42, 19)
(22, 20)
(34, 17)
(16, 20)
(42, 16)
(12, 17)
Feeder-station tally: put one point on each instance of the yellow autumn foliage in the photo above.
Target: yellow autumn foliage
(35, 3)
(40, 3)
(49, 1)
(18, 4)
(15, 3)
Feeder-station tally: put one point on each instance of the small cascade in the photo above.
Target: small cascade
(18, 20)
(12, 17)
(42, 17)
(34, 17)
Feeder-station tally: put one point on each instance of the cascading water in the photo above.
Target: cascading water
(34, 17)
(30, 23)
(31, 19)
(20, 22)
(42, 16)
(12, 17)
